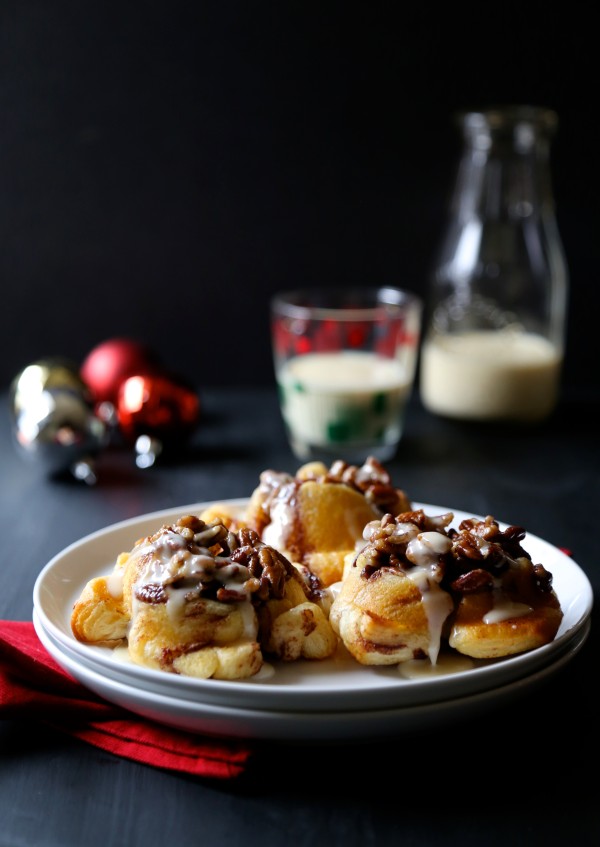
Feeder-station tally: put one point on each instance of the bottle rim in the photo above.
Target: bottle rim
(351, 304)
(508, 116)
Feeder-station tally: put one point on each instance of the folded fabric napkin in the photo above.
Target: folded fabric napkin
(33, 685)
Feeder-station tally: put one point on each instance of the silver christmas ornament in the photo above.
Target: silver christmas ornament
(53, 419)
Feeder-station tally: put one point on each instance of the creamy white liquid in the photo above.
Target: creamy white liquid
(344, 398)
(487, 375)
(446, 664)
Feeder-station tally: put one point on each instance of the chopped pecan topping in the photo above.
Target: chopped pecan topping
(466, 560)
(473, 581)
(213, 562)
(372, 480)
(267, 566)
(543, 578)
(151, 592)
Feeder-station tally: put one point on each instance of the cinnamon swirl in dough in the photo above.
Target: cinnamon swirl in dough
(418, 584)
(199, 599)
(316, 517)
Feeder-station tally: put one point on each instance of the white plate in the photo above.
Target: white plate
(295, 726)
(339, 683)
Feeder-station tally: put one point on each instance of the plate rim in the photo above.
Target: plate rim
(344, 725)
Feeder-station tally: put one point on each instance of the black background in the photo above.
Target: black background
(166, 167)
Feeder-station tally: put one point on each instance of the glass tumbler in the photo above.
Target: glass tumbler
(345, 365)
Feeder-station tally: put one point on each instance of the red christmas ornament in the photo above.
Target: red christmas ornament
(157, 406)
(111, 362)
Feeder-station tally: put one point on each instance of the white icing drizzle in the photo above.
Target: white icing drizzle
(424, 551)
(334, 589)
(176, 601)
(277, 533)
(446, 665)
(162, 547)
(371, 471)
(503, 607)
(427, 546)
(168, 562)
(114, 582)
(249, 619)
(266, 672)
(402, 532)
(121, 654)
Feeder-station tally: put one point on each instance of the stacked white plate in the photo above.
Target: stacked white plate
(329, 700)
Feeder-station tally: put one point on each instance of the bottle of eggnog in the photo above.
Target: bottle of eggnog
(494, 337)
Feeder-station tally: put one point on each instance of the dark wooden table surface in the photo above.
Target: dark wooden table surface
(524, 773)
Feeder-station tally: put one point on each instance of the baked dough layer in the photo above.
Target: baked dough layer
(199, 599)
(418, 584)
(316, 518)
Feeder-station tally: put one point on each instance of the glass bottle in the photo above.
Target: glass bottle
(494, 338)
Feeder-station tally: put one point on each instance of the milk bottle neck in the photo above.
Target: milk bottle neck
(504, 173)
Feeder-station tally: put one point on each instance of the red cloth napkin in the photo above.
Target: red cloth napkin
(33, 685)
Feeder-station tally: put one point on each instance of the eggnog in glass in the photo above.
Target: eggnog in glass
(345, 364)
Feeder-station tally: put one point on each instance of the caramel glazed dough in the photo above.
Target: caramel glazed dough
(404, 585)
(417, 583)
(316, 518)
(202, 600)
(326, 556)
